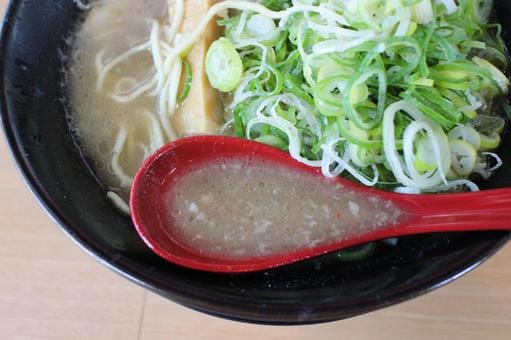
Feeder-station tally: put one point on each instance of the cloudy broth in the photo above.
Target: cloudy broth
(110, 28)
(243, 208)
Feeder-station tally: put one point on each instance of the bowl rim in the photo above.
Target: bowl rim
(188, 299)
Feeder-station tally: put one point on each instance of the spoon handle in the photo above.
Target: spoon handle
(485, 210)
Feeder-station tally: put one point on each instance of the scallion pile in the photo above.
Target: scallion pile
(399, 94)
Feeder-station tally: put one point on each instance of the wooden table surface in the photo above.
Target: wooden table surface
(50, 289)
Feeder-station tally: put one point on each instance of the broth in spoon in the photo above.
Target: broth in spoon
(248, 206)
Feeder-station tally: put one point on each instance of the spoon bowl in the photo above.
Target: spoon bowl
(427, 213)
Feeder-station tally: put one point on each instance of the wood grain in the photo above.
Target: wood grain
(50, 289)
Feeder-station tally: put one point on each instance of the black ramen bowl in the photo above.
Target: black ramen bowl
(34, 44)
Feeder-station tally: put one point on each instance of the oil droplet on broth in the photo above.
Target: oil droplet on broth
(250, 207)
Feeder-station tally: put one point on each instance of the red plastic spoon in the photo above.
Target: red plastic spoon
(485, 210)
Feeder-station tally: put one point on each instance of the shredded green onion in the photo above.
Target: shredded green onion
(357, 253)
(389, 93)
(187, 81)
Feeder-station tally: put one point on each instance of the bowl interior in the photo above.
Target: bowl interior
(35, 42)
